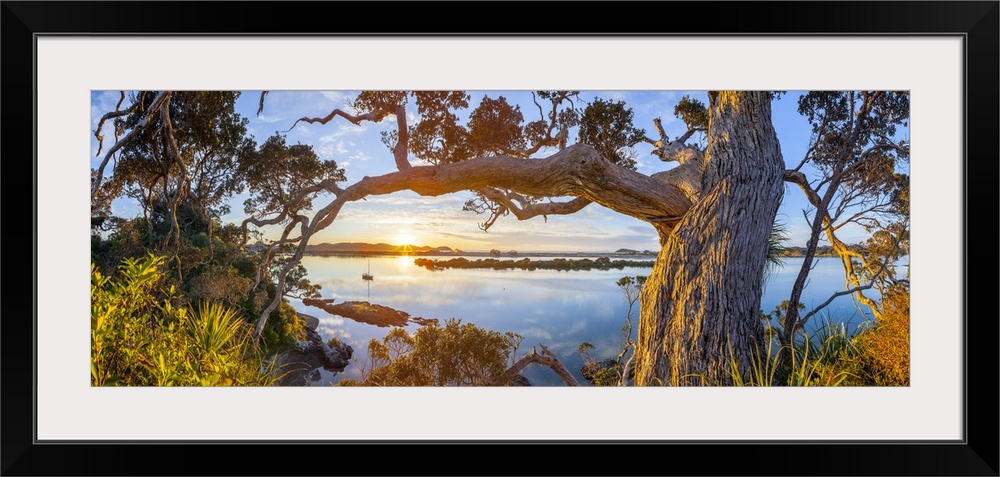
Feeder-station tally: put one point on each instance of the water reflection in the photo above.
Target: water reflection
(559, 309)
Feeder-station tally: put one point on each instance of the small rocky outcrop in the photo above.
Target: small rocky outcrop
(300, 365)
(365, 312)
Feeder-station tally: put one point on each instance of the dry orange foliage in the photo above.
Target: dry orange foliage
(884, 350)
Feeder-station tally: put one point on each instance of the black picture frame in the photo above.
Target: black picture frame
(976, 453)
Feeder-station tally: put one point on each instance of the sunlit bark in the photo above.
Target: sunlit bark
(700, 305)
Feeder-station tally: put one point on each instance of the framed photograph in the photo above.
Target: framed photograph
(62, 59)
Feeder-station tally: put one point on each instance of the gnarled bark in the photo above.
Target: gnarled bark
(700, 306)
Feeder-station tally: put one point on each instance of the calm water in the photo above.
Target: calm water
(555, 308)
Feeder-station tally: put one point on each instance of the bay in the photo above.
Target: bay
(557, 309)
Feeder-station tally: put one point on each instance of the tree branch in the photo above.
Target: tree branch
(144, 124)
(578, 170)
(400, 151)
(545, 358)
(118, 112)
(798, 178)
(260, 105)
(527, 211)
(374, 117)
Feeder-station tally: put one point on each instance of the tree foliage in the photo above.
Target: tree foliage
(860, 148)
(456, 354)
(607, 125)
(182, 157)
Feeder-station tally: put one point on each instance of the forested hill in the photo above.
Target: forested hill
(361, 247)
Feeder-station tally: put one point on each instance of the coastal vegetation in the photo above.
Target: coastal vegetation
(139, 337)
(877, 354)
(455, 354)
(564, 264)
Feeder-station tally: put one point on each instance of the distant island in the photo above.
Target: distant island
(366, 249)
(821, 251)
(354, 248)
(601, 263)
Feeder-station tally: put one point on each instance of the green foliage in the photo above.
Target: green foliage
(209, 136)
(220, 283)
(455, 354)
(139, 338)
(855, 133)
(182, 174)
(495, 127)
(283, 328)
(607, 125)
(875, 356)
(776, 241)
(606, 372)
(692, 112)
(824, 360)
(296, 283)
(276, 171)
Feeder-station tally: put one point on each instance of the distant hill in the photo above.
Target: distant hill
(821, 251)
(361, 247)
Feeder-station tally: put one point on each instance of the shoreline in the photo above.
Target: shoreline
(508, 255)
(477, 254)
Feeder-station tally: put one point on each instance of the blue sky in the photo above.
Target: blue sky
(406, 217)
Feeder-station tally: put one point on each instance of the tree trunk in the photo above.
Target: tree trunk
(700, 307)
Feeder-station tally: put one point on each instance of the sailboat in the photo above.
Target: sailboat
(368, 276)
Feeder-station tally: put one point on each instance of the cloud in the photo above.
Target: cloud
(103, 102)
(642, 231)
(342, 100)
(264, 118)
(361, 156)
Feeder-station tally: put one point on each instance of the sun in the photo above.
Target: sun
(404, 239)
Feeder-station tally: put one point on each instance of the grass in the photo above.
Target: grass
(878, 355)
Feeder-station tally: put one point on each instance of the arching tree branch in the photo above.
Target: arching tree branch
(575, 171)
(545, 358)
(374, 116)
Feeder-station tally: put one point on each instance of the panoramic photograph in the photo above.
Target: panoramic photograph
(500, 238)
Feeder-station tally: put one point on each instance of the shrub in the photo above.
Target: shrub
(283, 328)
(455, 354)
(884, 349)
(139, 338)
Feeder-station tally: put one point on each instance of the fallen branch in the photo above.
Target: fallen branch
(545, 358)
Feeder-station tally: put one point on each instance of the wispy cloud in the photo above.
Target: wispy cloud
(265, 118)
